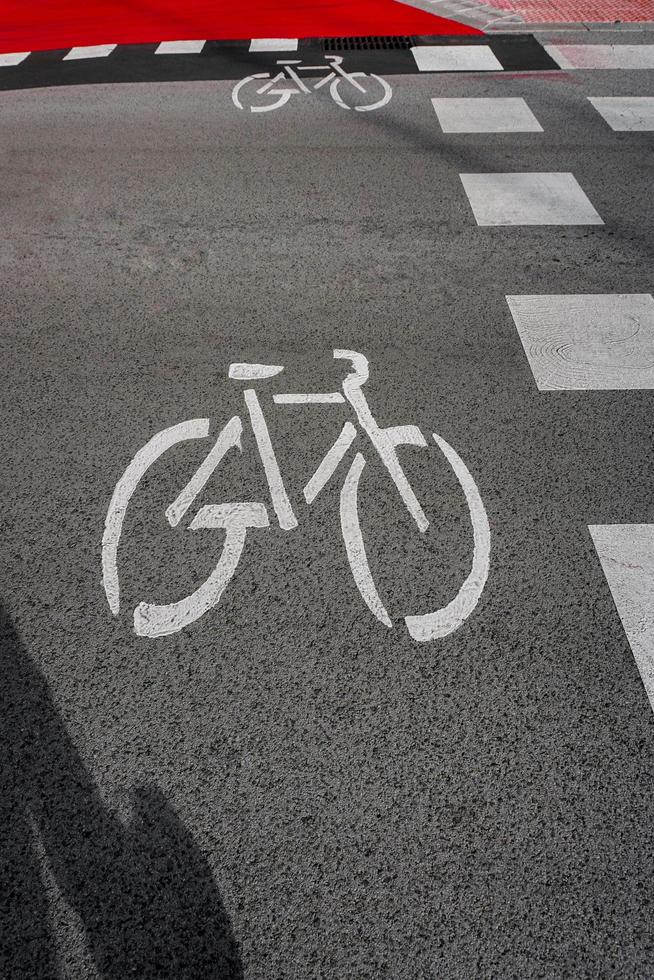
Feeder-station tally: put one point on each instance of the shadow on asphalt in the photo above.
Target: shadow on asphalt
(143, 892)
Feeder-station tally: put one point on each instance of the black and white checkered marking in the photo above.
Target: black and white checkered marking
(197, 59)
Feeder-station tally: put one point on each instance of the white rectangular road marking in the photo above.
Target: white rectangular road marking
(626, 553)
(627, 114)
(458, 57)
(180, 47)
(497, 115)
(587, 342)
(89, 51)
(7, 60)
(528, 199)
(579, 56)
(273, 44)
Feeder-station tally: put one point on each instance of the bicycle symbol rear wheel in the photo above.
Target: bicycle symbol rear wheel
(281, 97)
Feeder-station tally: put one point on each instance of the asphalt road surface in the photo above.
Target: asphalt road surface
(286, 787)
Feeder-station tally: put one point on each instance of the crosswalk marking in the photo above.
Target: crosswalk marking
(180, 47)
(579, 56)
(626, 113)
(89, 51)
(528, 199)
(496, 115)
(274, 44)
(459, 57)
(626, 553)
(591, 342)
(7, 60)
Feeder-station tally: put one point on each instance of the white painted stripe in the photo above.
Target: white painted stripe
(579, 56)
(495, 115)
(281, 503)
(180, 47)
(328, 466)
(244, 371)
(528, 199)
(310, 398)
(626, 552)
(7, 60)
(458, 57)
(587, 342)
(274, 44)
(630, 114)
(89, 51)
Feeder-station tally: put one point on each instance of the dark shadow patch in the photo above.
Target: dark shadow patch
(143, 891)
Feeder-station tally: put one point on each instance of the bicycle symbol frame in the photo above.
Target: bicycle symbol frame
(334, 77)
(236, 518)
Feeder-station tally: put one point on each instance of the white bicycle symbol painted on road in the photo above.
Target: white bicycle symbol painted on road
(335, 77)
(236, 518)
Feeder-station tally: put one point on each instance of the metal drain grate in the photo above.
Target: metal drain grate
(367, 43)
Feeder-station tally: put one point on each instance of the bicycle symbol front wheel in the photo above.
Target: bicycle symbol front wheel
(375, 83)
(447, 619)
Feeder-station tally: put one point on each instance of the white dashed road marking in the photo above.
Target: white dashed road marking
(575, 56)
(528, 199)
(274, 44)
(89, 51)
(626, 552)
(496, 115)
(180, 47)
(460, 57)
(627, 114)
(7, 60)
(587, 343)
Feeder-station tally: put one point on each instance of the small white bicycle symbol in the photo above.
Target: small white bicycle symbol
(151, 619)
(334, 78)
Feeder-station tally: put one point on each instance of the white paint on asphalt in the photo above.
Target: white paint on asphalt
(145, 457)
(579, 56)
(90, 51)
(281, 503)
(251, 90)
(229, 438)
(309, 398)
(458, 57)
(253, 372)
(15, 58)
(274, 44)
(180, 47)
(329, 464)
(626, 552)
(627, 114)
(497, 115)
(528, 199)
(587, 342)
(444, 621)
(152, 619)
(354, 545)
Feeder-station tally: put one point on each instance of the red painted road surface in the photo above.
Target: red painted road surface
(49, 24)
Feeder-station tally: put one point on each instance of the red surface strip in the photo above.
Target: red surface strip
(49, 24)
